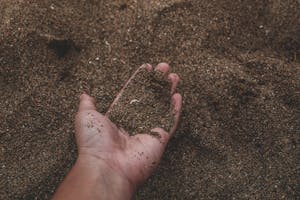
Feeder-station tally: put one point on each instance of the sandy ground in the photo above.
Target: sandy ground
(239, 64)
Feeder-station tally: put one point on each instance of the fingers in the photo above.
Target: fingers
(86, 103)
(147, 67)
(176, 99)
(174, 79)
(163, 67)
(159, 134)
(176, 109)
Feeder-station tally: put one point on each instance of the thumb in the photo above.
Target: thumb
(86, 103)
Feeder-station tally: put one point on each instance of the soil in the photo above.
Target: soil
(144, 104)
(239, 64)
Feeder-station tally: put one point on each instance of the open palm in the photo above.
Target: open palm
(135, 157)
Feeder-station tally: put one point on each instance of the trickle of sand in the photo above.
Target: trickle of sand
(144, 104)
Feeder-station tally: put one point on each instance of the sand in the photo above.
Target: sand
(239, 65)
(144, 105)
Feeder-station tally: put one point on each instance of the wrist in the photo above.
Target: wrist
(106, 176)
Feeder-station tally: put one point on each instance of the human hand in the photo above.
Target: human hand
(133, 157)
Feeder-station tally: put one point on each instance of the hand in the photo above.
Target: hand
(110, 162)
(133, 157)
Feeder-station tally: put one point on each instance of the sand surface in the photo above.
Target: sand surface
(239, 64)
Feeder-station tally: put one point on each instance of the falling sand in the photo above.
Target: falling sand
(144, 104)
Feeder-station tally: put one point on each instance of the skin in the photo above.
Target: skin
(111, 163)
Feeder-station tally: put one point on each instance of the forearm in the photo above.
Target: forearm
(90, 179)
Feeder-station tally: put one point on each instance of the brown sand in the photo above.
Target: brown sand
(239, 65)
(145, 104)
